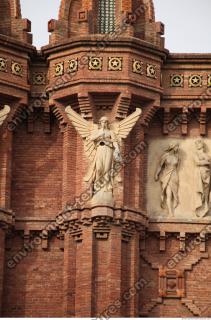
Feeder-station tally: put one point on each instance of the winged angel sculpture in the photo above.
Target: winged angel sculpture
(3, 114)
(102, 143)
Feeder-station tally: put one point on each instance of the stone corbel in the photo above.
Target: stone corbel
(122, 105)
(75, 230)
(60, 236)
(162, 241)
(47, 120)
(26, 237)
(45, 237)
(203, 242)
(203, 120)
(182, 238)
(84, 101)
(57, 110)
(184, 121)
(143, 240)
(101, 227)
(30, 123)
(166, 120)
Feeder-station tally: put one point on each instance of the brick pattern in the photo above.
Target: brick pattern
(82, 14)
(39, 179)
(2, 246)
(93, 258)
(11, 22)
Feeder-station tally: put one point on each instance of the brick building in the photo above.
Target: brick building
(132, 259)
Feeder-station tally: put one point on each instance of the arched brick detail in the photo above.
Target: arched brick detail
(75, 15)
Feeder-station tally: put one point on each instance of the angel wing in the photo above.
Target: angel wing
(4, 113)
(85, 129)
(123, 128)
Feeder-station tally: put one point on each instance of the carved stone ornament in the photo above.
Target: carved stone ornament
(4, 113)
(72, 65)
(115, 64)
(138, 66)
(152, 71)
(195, 81)
(17, 69)
(102, 147)
(39, 78)
(202, 178)
(3, 64)
(59, 69)
(177, 80)
(95, 63)
(167, 173)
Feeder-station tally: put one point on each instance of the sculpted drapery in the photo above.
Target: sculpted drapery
(102, 144)
(202, 178)
(167, 173)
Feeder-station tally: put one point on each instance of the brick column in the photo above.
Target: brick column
(94, 276)
(6, 220)
(5, 168)
(2, 250)
(114, 269)
(134, 275)
(84, 284)
(69, 275)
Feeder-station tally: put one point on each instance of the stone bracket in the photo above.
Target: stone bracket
(203, 120)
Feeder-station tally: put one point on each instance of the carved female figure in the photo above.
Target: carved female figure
(107, 150)
(167, 173)
(203, 181)
(102, 146)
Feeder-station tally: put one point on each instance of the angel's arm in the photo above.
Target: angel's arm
(96, 135)
(199, 162)
(115, 141)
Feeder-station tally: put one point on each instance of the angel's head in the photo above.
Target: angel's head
(104, 123)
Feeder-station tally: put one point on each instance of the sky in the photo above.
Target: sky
(187, 22)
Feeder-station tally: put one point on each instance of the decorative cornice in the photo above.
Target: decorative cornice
(95, 40)
(101, 219)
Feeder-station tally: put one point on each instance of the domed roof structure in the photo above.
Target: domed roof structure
(83, 17)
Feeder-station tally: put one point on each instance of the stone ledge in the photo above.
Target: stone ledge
(178, 225)
(116, 214)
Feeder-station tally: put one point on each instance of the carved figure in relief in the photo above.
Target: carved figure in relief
(4, 113)
(167, 173)
(102, 147)
(202, 178)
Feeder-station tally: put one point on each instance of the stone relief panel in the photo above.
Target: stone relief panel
(179, 178)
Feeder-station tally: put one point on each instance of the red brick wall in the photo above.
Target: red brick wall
(37, 171)
(2, 253)
(35, 287)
